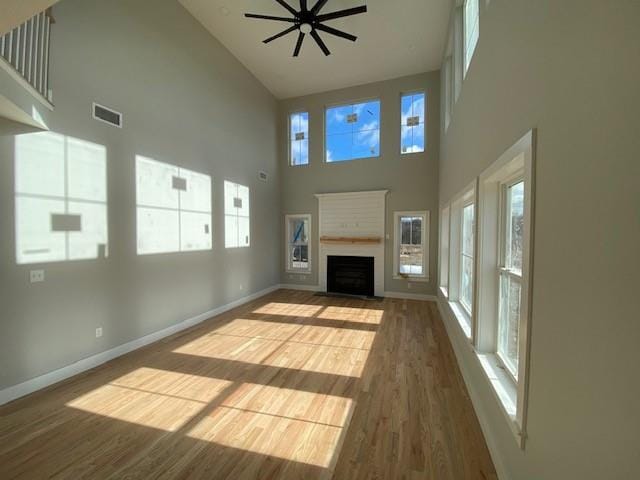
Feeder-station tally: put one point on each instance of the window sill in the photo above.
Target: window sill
(504, 389)
(444, 292)
(300, 272)
(410, 278)
(463, 318)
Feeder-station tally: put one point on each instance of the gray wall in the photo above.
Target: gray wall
(186, 101)
(569, 68)
(412, 180)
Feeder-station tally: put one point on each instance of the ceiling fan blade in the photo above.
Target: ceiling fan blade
(288, 7)
(303, 5)
(318, 6)
(281, 34)
(320, 43)
(298, 44)
(337, 33)
(269, 17)
(342, 13)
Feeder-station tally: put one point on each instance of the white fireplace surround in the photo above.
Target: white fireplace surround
(352, 214)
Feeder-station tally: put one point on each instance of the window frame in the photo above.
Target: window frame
(288, 268)
(513, 166)
(465, 319)
(397, 216)
(423, 124)
(443, 278)
(470, 202)
(467, 56)
(351, 103)
(289, 140)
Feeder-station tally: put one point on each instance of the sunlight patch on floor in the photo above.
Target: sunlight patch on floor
(153, 410)
(351, 314)
(289, 309)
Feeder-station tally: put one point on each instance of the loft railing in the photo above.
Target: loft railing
(26, 49)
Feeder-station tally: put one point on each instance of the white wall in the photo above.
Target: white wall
(571, 69)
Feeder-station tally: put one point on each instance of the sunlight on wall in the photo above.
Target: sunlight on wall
(61, 198)
(237, 220)
(173, 208)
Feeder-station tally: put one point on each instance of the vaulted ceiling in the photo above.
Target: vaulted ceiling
(395, 38)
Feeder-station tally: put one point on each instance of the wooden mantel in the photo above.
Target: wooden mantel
(350, 240)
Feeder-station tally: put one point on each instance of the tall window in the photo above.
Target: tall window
(298, 243)
(444, 250)
(236, 215)
(173, 208)
(412, 123)
(471, 30)
(61, 198)
(352, 131)
(510, 273)
(299, 138)
(466, 260)
(411, 244)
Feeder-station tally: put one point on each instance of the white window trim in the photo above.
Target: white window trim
(289, 157)
(287, 267)
(512, 396)
(425, 246)
(424, 123)
(465, 320)
(347, 103)
(443, 283)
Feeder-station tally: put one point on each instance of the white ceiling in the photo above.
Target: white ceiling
(395, 38)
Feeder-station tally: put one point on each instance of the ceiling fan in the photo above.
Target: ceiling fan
(309, 21)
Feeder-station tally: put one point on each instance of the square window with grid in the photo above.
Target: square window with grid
(352, 131)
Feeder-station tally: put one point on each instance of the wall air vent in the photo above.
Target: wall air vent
(262, 175)
(107, 115)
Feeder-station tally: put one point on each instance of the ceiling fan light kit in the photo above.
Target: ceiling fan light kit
(308, 22)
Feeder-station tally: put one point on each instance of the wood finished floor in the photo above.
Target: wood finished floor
(288, 386)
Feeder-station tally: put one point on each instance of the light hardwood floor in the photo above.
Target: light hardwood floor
(288, 386)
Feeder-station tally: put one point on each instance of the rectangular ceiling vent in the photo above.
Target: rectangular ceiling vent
(262, 175)
(107, 115)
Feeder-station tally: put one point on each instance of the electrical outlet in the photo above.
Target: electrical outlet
(36, 276)
(241, 287)
(98, 332)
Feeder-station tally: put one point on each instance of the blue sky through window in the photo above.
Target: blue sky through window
(353, 131)
(299, 138)
(412, 124)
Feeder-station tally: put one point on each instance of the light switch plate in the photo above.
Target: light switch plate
(98, 332)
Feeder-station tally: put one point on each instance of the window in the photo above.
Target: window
(236, 215)
(505, 231)
(448, 85)
(461, 258)
(466, 257)
(471, 30)
(298, 243)
(444, 250)
(173, 208)
(510, 274)
(60, 198)
(411, 244)
(412, 123)
(352, 131)
(299, 138)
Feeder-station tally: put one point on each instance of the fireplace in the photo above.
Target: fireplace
(350, 275)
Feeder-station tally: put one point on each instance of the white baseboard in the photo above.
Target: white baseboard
(411, 296)
(43, 381)
(458, 342)
(407, 296)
